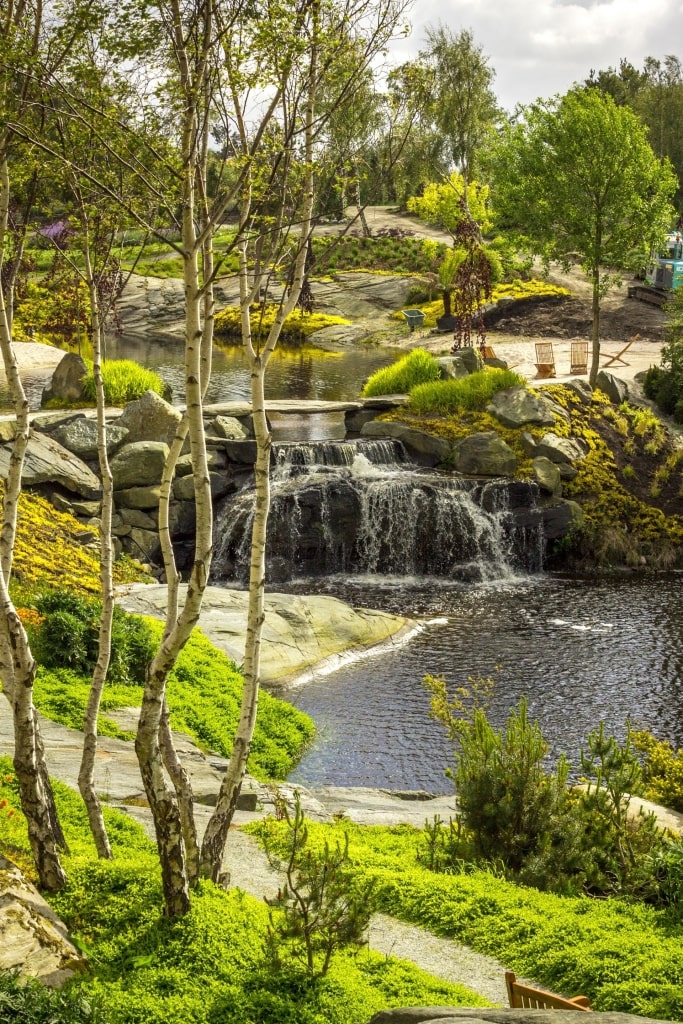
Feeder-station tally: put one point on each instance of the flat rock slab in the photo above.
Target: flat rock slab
(506, 1015)
(47, 461)
(300, 634)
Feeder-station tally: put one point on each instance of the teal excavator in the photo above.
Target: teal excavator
(664, 273)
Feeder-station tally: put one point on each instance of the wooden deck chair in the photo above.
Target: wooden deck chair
(545, 359)
(524, 996)
(618, 357)
(578, 360)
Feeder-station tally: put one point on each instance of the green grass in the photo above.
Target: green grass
(124, 381)
(397, 255)
(472, 393)
(623, 956)
(204, 694)
(208, 967)
(402, 376)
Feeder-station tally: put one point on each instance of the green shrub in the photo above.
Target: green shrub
(68, 637)
(295, 329)
(26, 1001)
(402, 376)
(124, 381)
(472, 393)
(662, 770)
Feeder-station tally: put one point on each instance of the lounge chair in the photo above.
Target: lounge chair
(545, 359)
(578, 360)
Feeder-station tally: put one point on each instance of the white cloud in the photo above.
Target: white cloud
(541, 47)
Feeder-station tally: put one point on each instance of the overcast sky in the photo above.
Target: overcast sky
(541, 47)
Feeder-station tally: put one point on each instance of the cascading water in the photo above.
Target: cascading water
(356, 507)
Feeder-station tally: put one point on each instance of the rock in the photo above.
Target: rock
(142, 544)
(137, 497)
(215, 457)
(139, 464)
(80, 436)
(66, 385)
(183, 488)
(86, 509)
(298, 633)
(615, 389)
(469, 358)
(150, 419)
(581, 388)
(425, 448)
(560, 517)
(136, 517)
(33, 940)
(182, 518)
(529, 444)
(452, 368)
(502, 1015)
(561, 449)
(48, 462)
(513, 407)
(7, 431)
(484, 454)
(567, 471)
(243, 452)
(231, 428)
(547, 475)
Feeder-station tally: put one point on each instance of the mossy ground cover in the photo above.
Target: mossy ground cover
(208, 967)
(296, 328)
(204, 694)
(624, 956)
(529, 290)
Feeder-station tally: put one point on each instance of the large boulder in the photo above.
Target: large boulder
(513, 407)
(424, 448)
(231, 428)
(33, 940)
(66, 384)
(47, 461)
(80, 436)
(561, 449)
(615, 388)
(140, 464)
(547, 475)
(150, 418)
(485, 454)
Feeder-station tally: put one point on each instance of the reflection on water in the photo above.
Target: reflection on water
(580, 650)
(292, 373)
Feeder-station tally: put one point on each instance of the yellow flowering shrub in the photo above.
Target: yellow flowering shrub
(297, 325)
(513, 289)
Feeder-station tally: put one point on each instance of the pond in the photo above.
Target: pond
(580, 650)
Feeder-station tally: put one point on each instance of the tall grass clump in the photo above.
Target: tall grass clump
(471, 394)
(124, 381)
(418, 367)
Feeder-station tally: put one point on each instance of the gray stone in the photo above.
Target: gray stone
(547, 475)
(76, 507)
(137, 497)
(485, 454)
(47, 462)
(615, 389)
(469, 358)
(66, 385)
(215, 457)
(425, 448)
(150, 418)
(183, 487)
(502, 1015)
(33, 940)
(452, 368)
(136, 517)
(231, 428)
(80, 437)
(513, 407)
(143, 544)
(560, 517)
(243, 452)
(7, 431)
(582, 389)
(355, 419)
(529, 444)
(182, 517)
(561, 449)
(139, 464)
(567, 471)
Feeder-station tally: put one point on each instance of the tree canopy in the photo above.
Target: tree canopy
(579, 180)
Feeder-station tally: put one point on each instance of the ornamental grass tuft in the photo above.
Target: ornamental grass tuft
(124, 381)
(472, 393)
(418, 367)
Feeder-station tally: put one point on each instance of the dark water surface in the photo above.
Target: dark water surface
(581, 650)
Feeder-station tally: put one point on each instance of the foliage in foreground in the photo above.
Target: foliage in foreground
(624, 956)
(208, 967)
(204, 688)
(26, 1001)
(664, 383)
(402, 376)
(124, 381)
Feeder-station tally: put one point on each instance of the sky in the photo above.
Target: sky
(541, 47)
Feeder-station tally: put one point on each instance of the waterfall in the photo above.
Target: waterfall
(362, 507)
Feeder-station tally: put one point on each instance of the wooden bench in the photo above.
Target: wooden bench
(524, 996)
